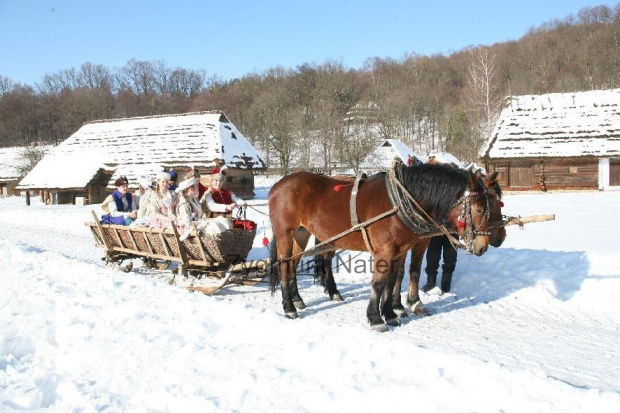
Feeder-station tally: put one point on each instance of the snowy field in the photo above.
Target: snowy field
(533, 326)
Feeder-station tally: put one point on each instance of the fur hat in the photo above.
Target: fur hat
(145, 181)
(163, 176)
(122, 180)
(188, 183)
(218, 172)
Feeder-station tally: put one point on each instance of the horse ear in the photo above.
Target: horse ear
(473, 181)
(492, 179)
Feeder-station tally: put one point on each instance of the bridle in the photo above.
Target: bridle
(466, 220)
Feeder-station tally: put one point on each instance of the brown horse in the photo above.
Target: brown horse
(302, 204)
(323, 262)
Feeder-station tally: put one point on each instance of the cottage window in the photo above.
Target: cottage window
(573, 169)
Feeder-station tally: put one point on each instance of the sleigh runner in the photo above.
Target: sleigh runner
(206, 263)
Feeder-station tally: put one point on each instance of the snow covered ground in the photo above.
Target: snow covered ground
(532, 326)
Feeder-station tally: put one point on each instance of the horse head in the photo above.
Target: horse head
(474, 216)
(496, 224)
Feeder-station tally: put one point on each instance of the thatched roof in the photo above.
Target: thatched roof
(558, 125)
(13, 159)
(381, 158)
(143, 145)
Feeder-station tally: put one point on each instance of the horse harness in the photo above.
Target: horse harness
(413, 215)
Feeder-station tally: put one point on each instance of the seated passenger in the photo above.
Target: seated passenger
(145, 207)
(119, 206)
(198, 186)
(188, 209)
(189, 213)
(146, 192)
(163, 203)
(218, 200)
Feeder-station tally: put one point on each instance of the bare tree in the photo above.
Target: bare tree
(483, 85)
(6, 85)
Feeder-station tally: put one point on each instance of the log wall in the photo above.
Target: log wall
(546, 173)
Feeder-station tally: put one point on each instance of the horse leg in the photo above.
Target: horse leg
(380, 281)
(330, 284)
(319, 267)
(397, 305)
(413, 297)
(300, 240)
(391, 318)
(284, 248)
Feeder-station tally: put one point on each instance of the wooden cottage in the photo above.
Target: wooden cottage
(83, 168)
(557, 141)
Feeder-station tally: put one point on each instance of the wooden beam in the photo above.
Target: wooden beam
(104, 237)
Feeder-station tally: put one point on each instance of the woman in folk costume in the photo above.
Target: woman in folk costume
(188, 209)
(218, 200)
(119, 206)
(145, 208)
(163, 202)
(198, 186)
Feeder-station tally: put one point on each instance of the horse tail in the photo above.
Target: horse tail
(274, 268)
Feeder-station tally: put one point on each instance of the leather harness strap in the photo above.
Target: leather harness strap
(353, 209)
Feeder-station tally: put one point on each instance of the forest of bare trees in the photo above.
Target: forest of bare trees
(323, 114)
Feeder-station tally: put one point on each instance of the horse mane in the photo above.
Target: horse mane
(436, 188)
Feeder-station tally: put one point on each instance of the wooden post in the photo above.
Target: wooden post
(104, 237)
(28, 198)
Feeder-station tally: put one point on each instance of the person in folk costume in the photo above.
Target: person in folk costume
(218, 200)
(145, 211)
(119, 206)
(440, 246)
(162, 204)
(188, 210)
(200, 188)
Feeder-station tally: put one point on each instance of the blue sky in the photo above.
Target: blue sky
(232, 38)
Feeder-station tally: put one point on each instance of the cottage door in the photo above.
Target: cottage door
(521, 174)
(614, 172)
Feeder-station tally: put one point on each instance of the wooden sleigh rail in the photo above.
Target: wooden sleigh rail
(520, 221)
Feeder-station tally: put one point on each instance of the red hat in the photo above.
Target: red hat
(218, 172)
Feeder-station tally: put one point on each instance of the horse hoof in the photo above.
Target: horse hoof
(400, 312)
(337, 297)
(292, 315)
(380, 328)
(394, 322)
(300, 305)
(420, 309)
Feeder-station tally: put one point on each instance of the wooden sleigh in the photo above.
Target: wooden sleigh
(203, 263)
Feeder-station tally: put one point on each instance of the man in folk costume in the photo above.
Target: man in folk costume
(218, 200)
(119, 206)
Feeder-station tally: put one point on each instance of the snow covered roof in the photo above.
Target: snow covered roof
(135, 145)
(13, 158)
(444, 157)
(558, 125)
(382, 157)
